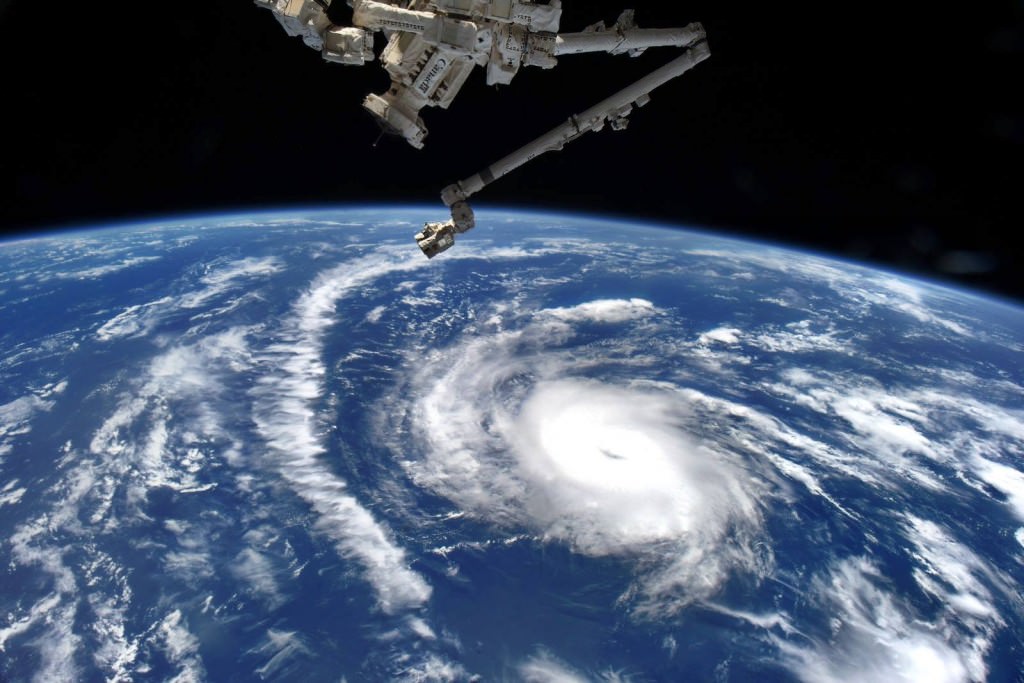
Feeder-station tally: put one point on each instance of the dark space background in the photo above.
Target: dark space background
(889, 133)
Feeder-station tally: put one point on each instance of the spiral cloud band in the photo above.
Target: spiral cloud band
(611, 470)
(606, 464)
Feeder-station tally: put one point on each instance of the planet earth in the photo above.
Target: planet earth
(288, 447)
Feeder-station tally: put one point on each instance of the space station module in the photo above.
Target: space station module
(434, 45)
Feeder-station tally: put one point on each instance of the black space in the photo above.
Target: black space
(885, 133)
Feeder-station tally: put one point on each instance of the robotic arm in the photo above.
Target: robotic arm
(437, 237)
(433, 46)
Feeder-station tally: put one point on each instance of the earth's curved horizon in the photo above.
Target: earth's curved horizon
(284, 445)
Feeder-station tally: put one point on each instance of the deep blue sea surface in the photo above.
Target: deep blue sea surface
(288, 447)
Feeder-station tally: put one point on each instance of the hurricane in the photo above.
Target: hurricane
(287, 446)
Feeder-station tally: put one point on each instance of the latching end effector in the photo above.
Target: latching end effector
(437, 237)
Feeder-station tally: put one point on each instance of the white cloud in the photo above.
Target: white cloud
(958, 578)
(609, 471)
(181, 647)
(886, 434)
(51, 620)
(283, 648)
(106, 269)
(10, 494)
(134, 321)
(57, 646)
(141, 319)
(604, 311)
(286, 419)
(546, 668)
(137, 448)
(17, 626)
(257, 571)
(16, 418)
(1006, 479)
(432, 668)
(874, 636)
(421, 628)
(800, 337)
(189, 565)
(770, 620)
(721, 335)
(250, 267)
(606, 467)
(175, 408)
(58, 630)
(375, 314)
(116, 650)
(905, 297)
(859, 288)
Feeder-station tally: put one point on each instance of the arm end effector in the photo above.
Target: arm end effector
(437, 237)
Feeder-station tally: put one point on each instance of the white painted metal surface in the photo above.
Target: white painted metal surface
(433, 46)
